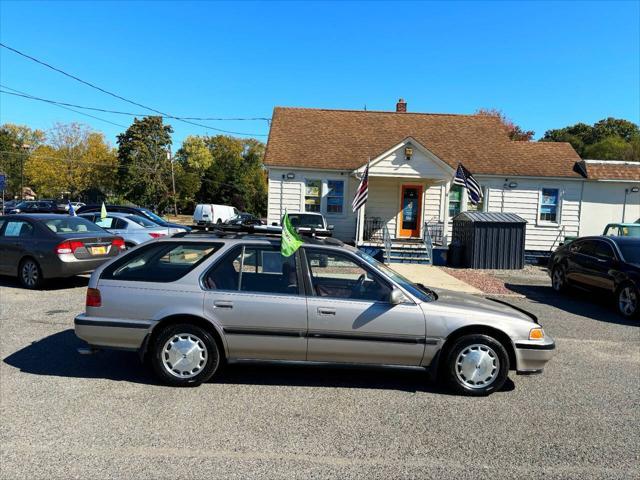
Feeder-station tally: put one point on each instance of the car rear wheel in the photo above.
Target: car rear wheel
(559, 278)
(628, 301)
(30, 274)
(477, 365)
(184, 355)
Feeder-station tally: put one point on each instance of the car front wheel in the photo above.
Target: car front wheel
(559, 278)
(477, 365)
(628, 301)
(184, 355)
(30, 274)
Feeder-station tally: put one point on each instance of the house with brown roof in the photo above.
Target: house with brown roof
(316, 157)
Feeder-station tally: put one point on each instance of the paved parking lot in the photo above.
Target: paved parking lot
(103, 416)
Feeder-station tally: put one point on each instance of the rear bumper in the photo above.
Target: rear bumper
(57, 268)
(112, 333)
(532, 356)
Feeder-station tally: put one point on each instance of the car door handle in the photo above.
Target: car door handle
(222, 304)
(326, 311)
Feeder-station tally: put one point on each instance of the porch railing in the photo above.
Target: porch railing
(387, 244)
(428, 243)
(373, 230)
(435, 230)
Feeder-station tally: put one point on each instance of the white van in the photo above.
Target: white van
(208, 214)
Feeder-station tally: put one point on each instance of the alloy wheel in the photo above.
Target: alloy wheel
(30, 273)
(628, 301)
(558, 278)
(477, 366)
(184, 355)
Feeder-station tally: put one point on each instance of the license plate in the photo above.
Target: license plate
(98, 250)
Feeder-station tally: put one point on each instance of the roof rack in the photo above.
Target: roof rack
(240, 231)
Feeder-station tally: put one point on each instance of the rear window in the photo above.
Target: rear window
(630, 252)
(305, 220)
(160, 262)
(71, 224)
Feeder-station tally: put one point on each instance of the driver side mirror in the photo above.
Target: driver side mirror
(396, 297)
(330, 227)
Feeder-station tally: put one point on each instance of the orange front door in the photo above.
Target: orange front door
(410, 210)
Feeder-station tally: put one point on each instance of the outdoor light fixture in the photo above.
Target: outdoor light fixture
(513, 185)
(291, 176)
(408, 152)
(635, 190)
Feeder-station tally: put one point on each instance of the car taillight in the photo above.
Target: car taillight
(93, 298)
(69, 246)
(118, 243)
(156, 235)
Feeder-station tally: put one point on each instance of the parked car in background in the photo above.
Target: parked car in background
(8, 205)
(244, 219)
(622, 230)
(134, 229)
(38, 206)
(37, 247)
(195, 301)
(604, 265)
(311, 222)
(207, 214)
(143, 212)
(76, 206)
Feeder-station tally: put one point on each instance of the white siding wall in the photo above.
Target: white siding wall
(422, 165)
(603, 203)
(293, 191)
(524, 201)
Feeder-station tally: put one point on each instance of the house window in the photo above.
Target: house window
(455, 200)
(549, 205)
(335, 196)
(313, 195)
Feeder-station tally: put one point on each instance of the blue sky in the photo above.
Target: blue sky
(545, 64)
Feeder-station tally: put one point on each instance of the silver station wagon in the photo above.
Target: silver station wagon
(190, 303)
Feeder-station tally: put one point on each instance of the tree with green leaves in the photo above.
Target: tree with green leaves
(144, 173)
(607, 139)
(17, 142)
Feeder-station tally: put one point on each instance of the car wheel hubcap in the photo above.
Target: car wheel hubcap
(30, 273)
(558, 278)
(477, 366)
(184, 355)
(628, 301)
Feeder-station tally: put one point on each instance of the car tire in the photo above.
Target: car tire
(30, 274)
(464, 378)
(628, 301)
(559, 278)
(184, 355)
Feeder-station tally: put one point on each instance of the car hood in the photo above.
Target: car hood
(478, 305)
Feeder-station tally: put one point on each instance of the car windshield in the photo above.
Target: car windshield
(306, 220)
(24, 204)
(419, 291)
(144, 222)
(630, 252)
(64, 225)
(153, 216)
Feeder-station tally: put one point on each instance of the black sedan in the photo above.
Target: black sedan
(38, 206)
(609, 265)
(143, 212)
(36, 247)
(244, 219)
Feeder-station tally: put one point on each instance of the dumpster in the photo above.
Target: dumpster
(490, 240)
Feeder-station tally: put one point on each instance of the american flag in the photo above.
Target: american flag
(465, 180)
(363, 191)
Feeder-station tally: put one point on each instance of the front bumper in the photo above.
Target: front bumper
(532, 356)
(112, 333)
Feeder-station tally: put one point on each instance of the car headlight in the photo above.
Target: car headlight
(536, 334)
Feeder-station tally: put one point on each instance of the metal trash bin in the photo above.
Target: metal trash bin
(456, 254)
(490, 240)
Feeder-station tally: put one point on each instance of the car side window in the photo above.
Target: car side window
(106, 222)
(603, 251)
(160, 262)
(119, 224)
(587, 248)
(255, 269)
(339, 276)
(18, 228)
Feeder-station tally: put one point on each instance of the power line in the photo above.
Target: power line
(19, 93)
(115, 95)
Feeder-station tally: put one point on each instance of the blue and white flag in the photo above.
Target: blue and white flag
(72, 212)
(464, 179)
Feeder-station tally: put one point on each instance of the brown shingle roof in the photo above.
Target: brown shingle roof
(607, 170)
(344, 139)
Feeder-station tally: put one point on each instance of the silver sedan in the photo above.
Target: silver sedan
(134, 229)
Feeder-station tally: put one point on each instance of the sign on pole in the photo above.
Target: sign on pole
(3, 181)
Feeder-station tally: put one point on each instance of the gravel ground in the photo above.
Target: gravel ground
(103, 416)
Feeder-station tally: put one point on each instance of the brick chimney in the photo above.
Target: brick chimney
(401, 106)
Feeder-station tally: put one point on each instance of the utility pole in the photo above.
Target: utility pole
(173, 182)
(25, 148)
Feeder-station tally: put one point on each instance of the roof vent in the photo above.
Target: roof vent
(401, 106)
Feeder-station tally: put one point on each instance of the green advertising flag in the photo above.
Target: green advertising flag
(291, 240)
(103, 211)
